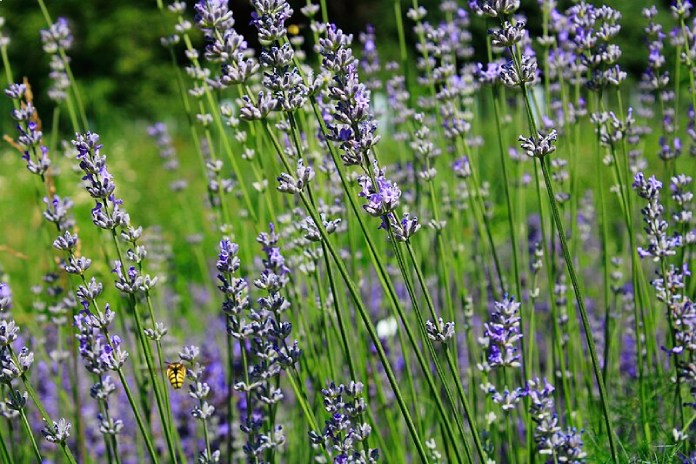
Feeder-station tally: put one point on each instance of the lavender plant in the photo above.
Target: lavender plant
(413, 190)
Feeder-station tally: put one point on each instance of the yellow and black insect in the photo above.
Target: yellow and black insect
(176, 373)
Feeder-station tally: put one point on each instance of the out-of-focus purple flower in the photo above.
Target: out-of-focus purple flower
(5, 297)
(57, 37)
(369, 62)
(160, 133)
(58, 212)
(56, 40)
(4, 39)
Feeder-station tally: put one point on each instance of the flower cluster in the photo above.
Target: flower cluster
(660, 245)
(502, 334)
(262, 335)
(303, 175)
(30, 138)
(345, 435)
(224, 45)
(592, 29)
(199, 390)
(109, 214)
(553, 443)
(56, 40)
(160, 133)
(352, 123)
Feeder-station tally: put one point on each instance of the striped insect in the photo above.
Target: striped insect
(176, 374)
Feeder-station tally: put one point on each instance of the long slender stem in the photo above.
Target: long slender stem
(34, 446)
(583, 311)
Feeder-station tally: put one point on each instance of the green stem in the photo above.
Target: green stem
(34, 446)
(141, 425)
(583, 312)
(3, 448)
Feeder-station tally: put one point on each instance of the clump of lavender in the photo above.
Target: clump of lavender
(592, 30)
(353, 125)
(100, 351)
(131, 280)
(369, 62)
(262, 335)
(160, 133)
(56, 40)
(280, 77)
(223, 44)
(670, 285)
(660, 245)
(345, 435)
(14, 367)
(502, 334)
(30, 138)
(553, 443)
(199, 390)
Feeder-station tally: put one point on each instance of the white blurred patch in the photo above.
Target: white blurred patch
(386, 328)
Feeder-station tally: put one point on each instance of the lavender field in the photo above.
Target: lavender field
(356, 248)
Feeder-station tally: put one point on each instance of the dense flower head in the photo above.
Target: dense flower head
(352, 123)
(30, 137)
(13, 363)
(553, 443)
(58, 432)
(494, 8)
(269, 19)
(526, 73)
(502, 334)
(5, 297)
(57, 37)
(344, 433)
(281, 78)
(223, 45)
(683, 198)
(383, 195)
(660, 245)
(213, 14)
(539, 146)
(295, 184)
(592, 29)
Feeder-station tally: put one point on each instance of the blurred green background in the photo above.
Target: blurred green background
(124, 71)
